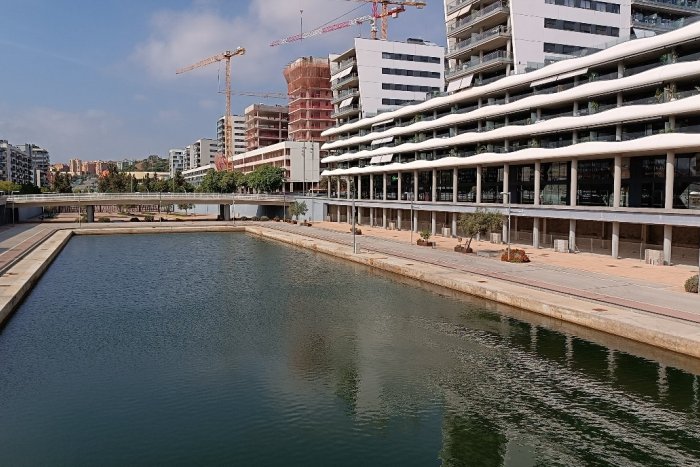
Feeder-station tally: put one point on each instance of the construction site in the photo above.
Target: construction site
(309, 89)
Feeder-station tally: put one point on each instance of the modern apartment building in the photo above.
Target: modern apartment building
(601, 151)
(489, 39)
(41, 163)
(15, 164)
(202, 152)
(265, 125)
(75, 166)
(179, 160)
(237, 132)
(309, 87)
(376, 76)
(300, 160)
(195, 175)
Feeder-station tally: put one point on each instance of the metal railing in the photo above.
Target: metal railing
(476, 16)
(477, 38)
(152, 197)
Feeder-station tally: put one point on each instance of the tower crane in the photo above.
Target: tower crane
(222, 160)
(346, 24)
(385, 13)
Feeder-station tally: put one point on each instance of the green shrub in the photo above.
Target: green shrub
(276, 219)
(425, 234)
(255, 218)
(148, 218)
(245, 218)
(264, 218)
(104, 219)
(134, 219)
(691, 285)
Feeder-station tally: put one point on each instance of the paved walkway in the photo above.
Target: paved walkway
(627, 292)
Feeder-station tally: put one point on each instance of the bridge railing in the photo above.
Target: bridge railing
(146, 197)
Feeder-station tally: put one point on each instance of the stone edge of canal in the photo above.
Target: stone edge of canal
(657, 331)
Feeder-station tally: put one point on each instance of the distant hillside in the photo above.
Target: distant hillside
(152, 163)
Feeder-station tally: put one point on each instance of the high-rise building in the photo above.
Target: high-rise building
(75, 166)
(265, 125)
(237, 133)
(202, 152)
(15, 164)
(309, 88)
(40, 163)
(376, 76)
(178, 161)
(489, 39)
(599, 153)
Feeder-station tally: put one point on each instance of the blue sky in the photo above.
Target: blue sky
(96, 79)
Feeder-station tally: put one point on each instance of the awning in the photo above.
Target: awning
(542, 81)
(342, 74)
(346, 102)
(460, 12)
(386, 158)
(461, 83)
(388, 139)
(383, 122)
(375, 160)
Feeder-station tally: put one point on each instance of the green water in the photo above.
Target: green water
(220, 349)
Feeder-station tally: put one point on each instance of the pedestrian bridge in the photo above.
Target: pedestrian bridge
(163, 199)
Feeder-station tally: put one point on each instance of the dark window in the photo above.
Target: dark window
(586, 28)
(409, 87)
(603, 7)
(416, 73)
(411, 58)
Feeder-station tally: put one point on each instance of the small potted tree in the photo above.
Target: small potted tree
(424, 239)
(477, 223)
(297, 209)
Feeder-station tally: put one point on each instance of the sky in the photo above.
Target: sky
(95, 80)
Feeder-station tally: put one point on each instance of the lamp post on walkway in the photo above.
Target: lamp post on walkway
(354, 242)
(507, 193)
(410, 198)
(696, 194)
(12, 193)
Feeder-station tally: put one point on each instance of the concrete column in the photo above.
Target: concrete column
(433, 193)
(668, 240)
(400, 186)
(371, 217)
(572, 235)
(89, 213)
(371, 187)
(328, 187)
(574, 183)
(454, 224)
(349, 191)
(617, 183)
(398, 217)
(384, 187)
(384, 224)
(506, 182)
(226, 212)
(670, 175)
(358, 195)
(454, 186)
(478, 183)
(348, 212)
(415, 185)
(338, 208)
(536, 232)
(538, 182)
(433, 222)
(338, 192)
(415, 220)
(615, 240)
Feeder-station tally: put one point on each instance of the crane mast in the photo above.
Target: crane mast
(223, 161)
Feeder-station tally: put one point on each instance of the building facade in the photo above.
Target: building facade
(237, 132)
(309, 87)
(602, 151)
(41, 163)
(179, 160)
(202, 152)
(489, 39)
(15, 164)
(300, 160)
(265, 125)
(195, 175)
(376, 76)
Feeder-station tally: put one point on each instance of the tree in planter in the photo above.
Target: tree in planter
(297, 209)
(185, 207)
(424, 237)
(478, 223)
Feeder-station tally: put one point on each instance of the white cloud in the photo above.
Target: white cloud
(181, 38)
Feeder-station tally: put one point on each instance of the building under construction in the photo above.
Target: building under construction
(310, 108)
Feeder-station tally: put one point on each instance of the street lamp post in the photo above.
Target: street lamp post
(233, 207)
(410, 197)
(507, 193)
(696, 194)
(354, 242)
(13, 206)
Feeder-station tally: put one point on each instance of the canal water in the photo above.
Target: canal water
(215, 349)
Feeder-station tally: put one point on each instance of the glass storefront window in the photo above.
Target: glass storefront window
(392, 186)
(554, 183)
(686, 186)
(444, 185)
(491, 184)
(407, 186)
(378, 186)
(364, 188)
(595, 182)
(466, 185)
(522, 184)
(425, 186)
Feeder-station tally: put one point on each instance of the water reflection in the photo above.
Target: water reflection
(286, 357)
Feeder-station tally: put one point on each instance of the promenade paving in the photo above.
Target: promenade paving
(664, 297)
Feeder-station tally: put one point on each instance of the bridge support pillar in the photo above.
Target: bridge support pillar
(225, 212)
(89, 213)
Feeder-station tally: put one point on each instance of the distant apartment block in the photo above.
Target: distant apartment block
(15, 164)
(194, 176)
(237, 132)
(178, 160)
(376, 76)
(75, 166)
(40, 161)
(309, 87)
(265, 125)
(203, 152)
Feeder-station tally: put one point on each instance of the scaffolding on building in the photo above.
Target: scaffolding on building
(309, 88)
